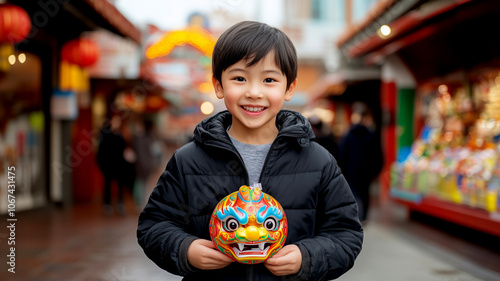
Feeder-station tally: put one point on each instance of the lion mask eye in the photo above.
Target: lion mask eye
(270, 224)
(231, 224)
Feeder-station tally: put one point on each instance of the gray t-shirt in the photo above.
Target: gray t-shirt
(253, 157)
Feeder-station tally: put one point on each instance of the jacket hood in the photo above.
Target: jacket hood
(291, 125)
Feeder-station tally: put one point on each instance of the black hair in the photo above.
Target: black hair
(252, 41)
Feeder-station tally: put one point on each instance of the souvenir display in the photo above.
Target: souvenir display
(457, 157)
(248, 225)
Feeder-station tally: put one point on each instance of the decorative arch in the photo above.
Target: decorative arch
(195, 36)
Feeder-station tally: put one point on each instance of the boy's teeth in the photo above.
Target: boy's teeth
(253, 109)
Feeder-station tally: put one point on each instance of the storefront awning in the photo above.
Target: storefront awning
(336, 83)
(434, 38)
(378, 10)
(402, 18)
(109, 13)
(66, 20)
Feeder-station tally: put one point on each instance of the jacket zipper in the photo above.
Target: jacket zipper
(267, 158)
(234, 151)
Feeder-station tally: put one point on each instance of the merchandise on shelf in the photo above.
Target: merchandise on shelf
(457, 157)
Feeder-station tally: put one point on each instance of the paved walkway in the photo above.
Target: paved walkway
(388, 256)
(396, 248)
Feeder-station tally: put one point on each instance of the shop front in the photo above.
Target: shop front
(22, 133)
(22, 115)
(37, 115)
(440, 94)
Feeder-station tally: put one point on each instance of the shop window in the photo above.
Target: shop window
(22, 130)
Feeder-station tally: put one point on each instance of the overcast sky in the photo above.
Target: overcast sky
(172, 14)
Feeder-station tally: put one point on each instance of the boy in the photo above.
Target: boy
(254, 71)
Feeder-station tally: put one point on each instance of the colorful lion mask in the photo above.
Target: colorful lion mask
(248, 225)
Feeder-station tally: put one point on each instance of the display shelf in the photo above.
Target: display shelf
(460, 214)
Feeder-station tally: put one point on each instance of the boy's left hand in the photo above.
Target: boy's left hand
(286, 261)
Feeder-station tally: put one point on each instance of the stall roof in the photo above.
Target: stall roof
(434, 38)
(377, 10)
(114, 18)
(68, 19)
(365, 38)
(336, 83)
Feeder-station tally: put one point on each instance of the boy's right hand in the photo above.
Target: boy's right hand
(202, 254)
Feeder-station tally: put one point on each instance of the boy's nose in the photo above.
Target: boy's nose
(254, 92)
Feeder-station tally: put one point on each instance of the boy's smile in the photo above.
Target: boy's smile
(253, 109)
(254, 95)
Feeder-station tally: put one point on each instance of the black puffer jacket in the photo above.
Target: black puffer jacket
(300, 174)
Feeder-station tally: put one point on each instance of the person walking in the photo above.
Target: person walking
(148, 152)
(110, 159)
(360, 156)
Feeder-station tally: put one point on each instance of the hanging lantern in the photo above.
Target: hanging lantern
(15, 24)
(82, 52)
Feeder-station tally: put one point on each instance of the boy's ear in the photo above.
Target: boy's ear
(291, 89)
(219, 92)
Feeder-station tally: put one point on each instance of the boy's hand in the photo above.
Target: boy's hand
(286, 261)
(202, 254)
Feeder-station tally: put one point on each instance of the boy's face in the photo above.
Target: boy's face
(254, 95)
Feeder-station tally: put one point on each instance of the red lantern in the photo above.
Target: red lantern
(82, 52)
(15, 24)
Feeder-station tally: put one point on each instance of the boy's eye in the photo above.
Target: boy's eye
(269, 80)
(239, 79)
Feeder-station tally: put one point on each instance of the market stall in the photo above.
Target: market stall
(441, 98)
(453, 168)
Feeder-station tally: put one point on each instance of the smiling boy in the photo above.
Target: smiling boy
(254, 94)
(254, 141)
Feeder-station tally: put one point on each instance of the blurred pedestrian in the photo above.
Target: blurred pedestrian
(148, 153)
(110, 158)
(129, 154)
(360, 156)
(323, 135)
